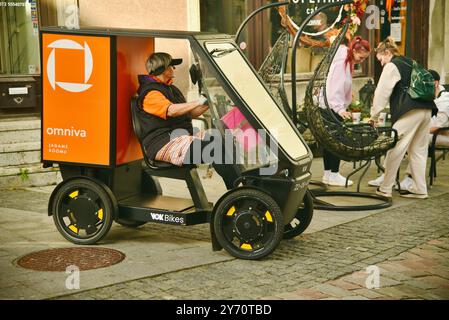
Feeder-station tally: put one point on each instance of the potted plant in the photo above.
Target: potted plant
(356, 109)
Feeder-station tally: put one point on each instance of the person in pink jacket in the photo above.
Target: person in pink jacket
(339, 97)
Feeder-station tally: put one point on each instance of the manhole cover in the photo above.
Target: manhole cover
(60, 259)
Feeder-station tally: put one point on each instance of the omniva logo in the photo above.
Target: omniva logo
(88, 65)
(72, 132)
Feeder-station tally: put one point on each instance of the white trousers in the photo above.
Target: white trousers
(413, 132)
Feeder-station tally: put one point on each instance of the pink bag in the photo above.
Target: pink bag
(243, 132)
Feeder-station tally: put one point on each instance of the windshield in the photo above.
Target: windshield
(261, 103)
(252, 150)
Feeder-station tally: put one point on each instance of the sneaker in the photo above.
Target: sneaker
(411, 195)
(377, 182)
(326, 177)
(383, 194)
(337, 180)
(407, 183)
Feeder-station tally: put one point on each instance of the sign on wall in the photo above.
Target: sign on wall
(394, 22)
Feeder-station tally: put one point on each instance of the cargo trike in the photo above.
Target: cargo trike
(89, 130)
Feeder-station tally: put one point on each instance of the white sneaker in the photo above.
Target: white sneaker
(326, 176)
(377, 182)
(407, 183)
(337, 180)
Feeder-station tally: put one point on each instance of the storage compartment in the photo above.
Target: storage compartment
(88, 82)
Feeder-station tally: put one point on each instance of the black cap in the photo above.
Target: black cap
(435, 75)
(175, 62)
(159, 61)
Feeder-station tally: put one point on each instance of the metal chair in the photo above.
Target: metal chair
(432, 153)
(350, 142)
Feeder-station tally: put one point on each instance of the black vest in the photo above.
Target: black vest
(400, 101)
(156, 132)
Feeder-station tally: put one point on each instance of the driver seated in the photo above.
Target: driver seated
(166, 119)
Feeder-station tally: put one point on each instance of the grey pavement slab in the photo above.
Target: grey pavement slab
(150, 251)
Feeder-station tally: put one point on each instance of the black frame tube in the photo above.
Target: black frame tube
(245, 22)
(295, 47)
(323, 205)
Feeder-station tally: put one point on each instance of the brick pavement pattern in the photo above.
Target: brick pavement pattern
(409, 244)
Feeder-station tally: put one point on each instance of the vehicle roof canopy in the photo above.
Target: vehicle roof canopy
(175, 34)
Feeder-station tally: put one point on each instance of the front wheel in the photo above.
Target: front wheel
(302, 220)
(248, 224)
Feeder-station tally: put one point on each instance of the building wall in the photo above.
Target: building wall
(164, 15)
(446, 39)
(179, 15)
(439, 38)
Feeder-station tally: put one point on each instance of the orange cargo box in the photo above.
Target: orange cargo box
(88, 82)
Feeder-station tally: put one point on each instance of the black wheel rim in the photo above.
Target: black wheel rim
(248, 225)
(81, 213)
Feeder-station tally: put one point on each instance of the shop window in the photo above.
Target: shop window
(222, 16)
(19, 38)
(59, 13)
(319, 33)
(262, 32)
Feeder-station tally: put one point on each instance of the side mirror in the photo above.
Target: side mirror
(195, 73)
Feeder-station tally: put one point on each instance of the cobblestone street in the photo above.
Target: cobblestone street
(413, 258)
(408, 243)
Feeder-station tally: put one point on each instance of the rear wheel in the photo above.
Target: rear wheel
(302, 220)
(248, 224)
(83, 211)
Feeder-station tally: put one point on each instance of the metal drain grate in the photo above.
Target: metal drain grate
(59, 259)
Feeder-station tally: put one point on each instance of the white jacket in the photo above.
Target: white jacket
(443, 101)
(442, 119)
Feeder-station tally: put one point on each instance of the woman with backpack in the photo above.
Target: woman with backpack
(410, 117)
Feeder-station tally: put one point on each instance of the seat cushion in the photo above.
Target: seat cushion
(161, 165)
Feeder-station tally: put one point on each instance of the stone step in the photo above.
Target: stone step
(38, 179)
(16, 125)
(20, 131)
(16, 154)
(32, 175)
(30, 168)
(19, 158)
(20, 136)
(20, 155)
(20, 147)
